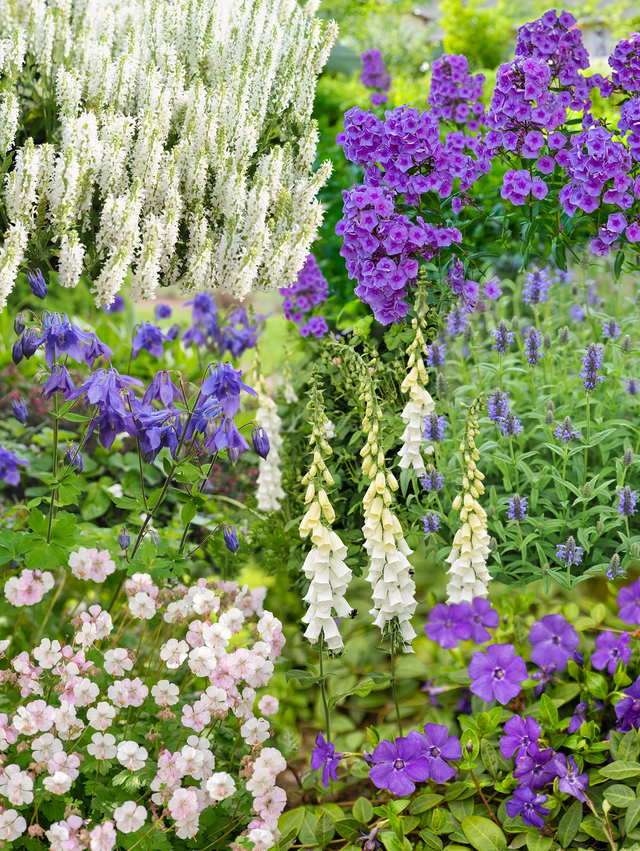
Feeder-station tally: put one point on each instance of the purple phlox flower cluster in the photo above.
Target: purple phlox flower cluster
(520, 735)
(553, 640)
(627, 500)
(536, 287)
(532, 342)
(628, 709)
(497, 405)
(381, 249)
(629, 603)
(9, 462)
(456, 321)
(518, 507)
(609, 236)
(497, 674)
(509, 425)
(553, 39)
(59, 336)
(107, 389)
(526, 803)
(518, 186)
(611, 649)
(308, 291)
(416, 758)
(455, 94)
(632, 386)
(625, 62)
(591, 363)
(565, 431)
(466, 289)
(204, 320)
(569, 553)
(238, 333)
(116, 306)
(436, 354)
(432, 481)
(324, 756)
(610, 329)
(150, 338)
(460, 621)
(435, 427)
(374, 76)
(431, 523)
(503, 337)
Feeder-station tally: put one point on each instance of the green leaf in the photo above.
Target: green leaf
(423, 803)
(361, 690)
(570, 824)
(620, 770)
(325, 831)
(307, 831)
(632, 816)
(38, 523)
(373, 737)
(349, 828)
(628, 747)
(597, 685)
(617, 266)
(548, 712)
(489, 757)
(362, 810)
(303, 677)
(483, 834)
(538, 842)
(619, 795)
(189, 511)
(431, 840)
(291, 821)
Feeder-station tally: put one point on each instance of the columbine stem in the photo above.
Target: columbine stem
(54, 466)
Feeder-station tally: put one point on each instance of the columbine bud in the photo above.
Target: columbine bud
(31, 340)
(634, 550)
(20, 410)
(37, 283)
(124, 538)
(627, 458)
(18, 323)
(173, 332)
(442, 386)
(233, 454)
(17, 353)
(563, 335)
(155, 537)
(260, 440)
(546, 340)
(626, 344)
(74, 458)
(231, 538)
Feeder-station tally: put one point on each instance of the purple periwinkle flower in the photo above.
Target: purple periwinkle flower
(433, 691)
(628, 709)
(449, 624)
(324, 756)
(627, 500)
(527, 804)
(591, 363)
(483, 617)
(432, 481)
(532, 342)
(20, 412)
(430, 523)
(569, 553)
(503, 337)
(150, 338)
(579, 717)
(629, 603)
(518, 507)
(610, 649)
(565, 431)
(435, 427)
(497, 673)
(519, 735)
(537, 768)
(536, 287)
(544, 677)
(571, 781)
(398, 766)
(439, 747)
(497, 405)
(553, 640)
(37, 283)
(610, 329)
(9, 461)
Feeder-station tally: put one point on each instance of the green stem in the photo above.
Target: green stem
(513, 461)
(586, 448)
(54, 492)
(323, 690)
(393, 685)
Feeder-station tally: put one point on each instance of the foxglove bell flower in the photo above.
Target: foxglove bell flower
(418, 408)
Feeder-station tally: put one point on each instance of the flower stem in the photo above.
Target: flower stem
(323, 690)
(586, 449)
(393, 684)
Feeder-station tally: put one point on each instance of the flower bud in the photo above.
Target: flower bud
(493, 545)
(467, 334)
(18, 323)
(627, 458)
(31, 340)
(37, 283)
(231, 538)
(515, 323)
(563, 335)
(574, 289)
(549, 418)
(626, 344)
(155, 537)
(74, 458)
(124, 539)
(173, 332)
(20, 410)
(546, 340)
(260, 440)
(16, 352)
(442, 386)
(634, 550)
(587, 489)
(599, 527)
(233, 454)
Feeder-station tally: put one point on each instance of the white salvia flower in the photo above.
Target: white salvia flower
(12, 825)
(420, 404)
(11, 256)
(269, 491)
(220, 785)
(132, 755)
(70, 262)
(22, 183)
(58, 783)
(130, 817)
(9, 118)
(262, 839)
(468, 574)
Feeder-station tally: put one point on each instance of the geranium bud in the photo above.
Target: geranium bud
(231, 539)
(124, 538)
(37, 283)
(260, 440)
(20, 410)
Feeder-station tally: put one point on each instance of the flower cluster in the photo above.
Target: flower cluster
(308, 291)
(374, 76)
(625, 62)
(269, 491)
(419, 405)
(455, 94)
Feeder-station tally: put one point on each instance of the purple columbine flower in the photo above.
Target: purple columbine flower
(37, 283)
(58, 382)
(577, 313)
(483, 617)
(95, 349)
(497, 674)
(58, 336)
(627, 500)
(628, 709)
(432, 691)
(150, 338)
(20, 412)
(116, 306)
(430, 523)
(260, 440)
(163, 389)
(437, 746)
(527, 804)
(432, 481)
(231, 538)
(629, 603)
(536, 768)
(324, 756)
(163, 311)
(545, 676)
(571, 781)
(9, 461)
(632, 386)
(610, 329)
(518, 507)
(565, 431)
(434, 427)
(509, 425)
(533, 339)
(579, 717)
(225, 383)
(520, 734)
(569, 553)
(436, 354)
(611, 648)
(398, 766)
(497, 405)
(536, 287)
(503, 337)
(449, 624)
(553, 640)
(591, 363)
